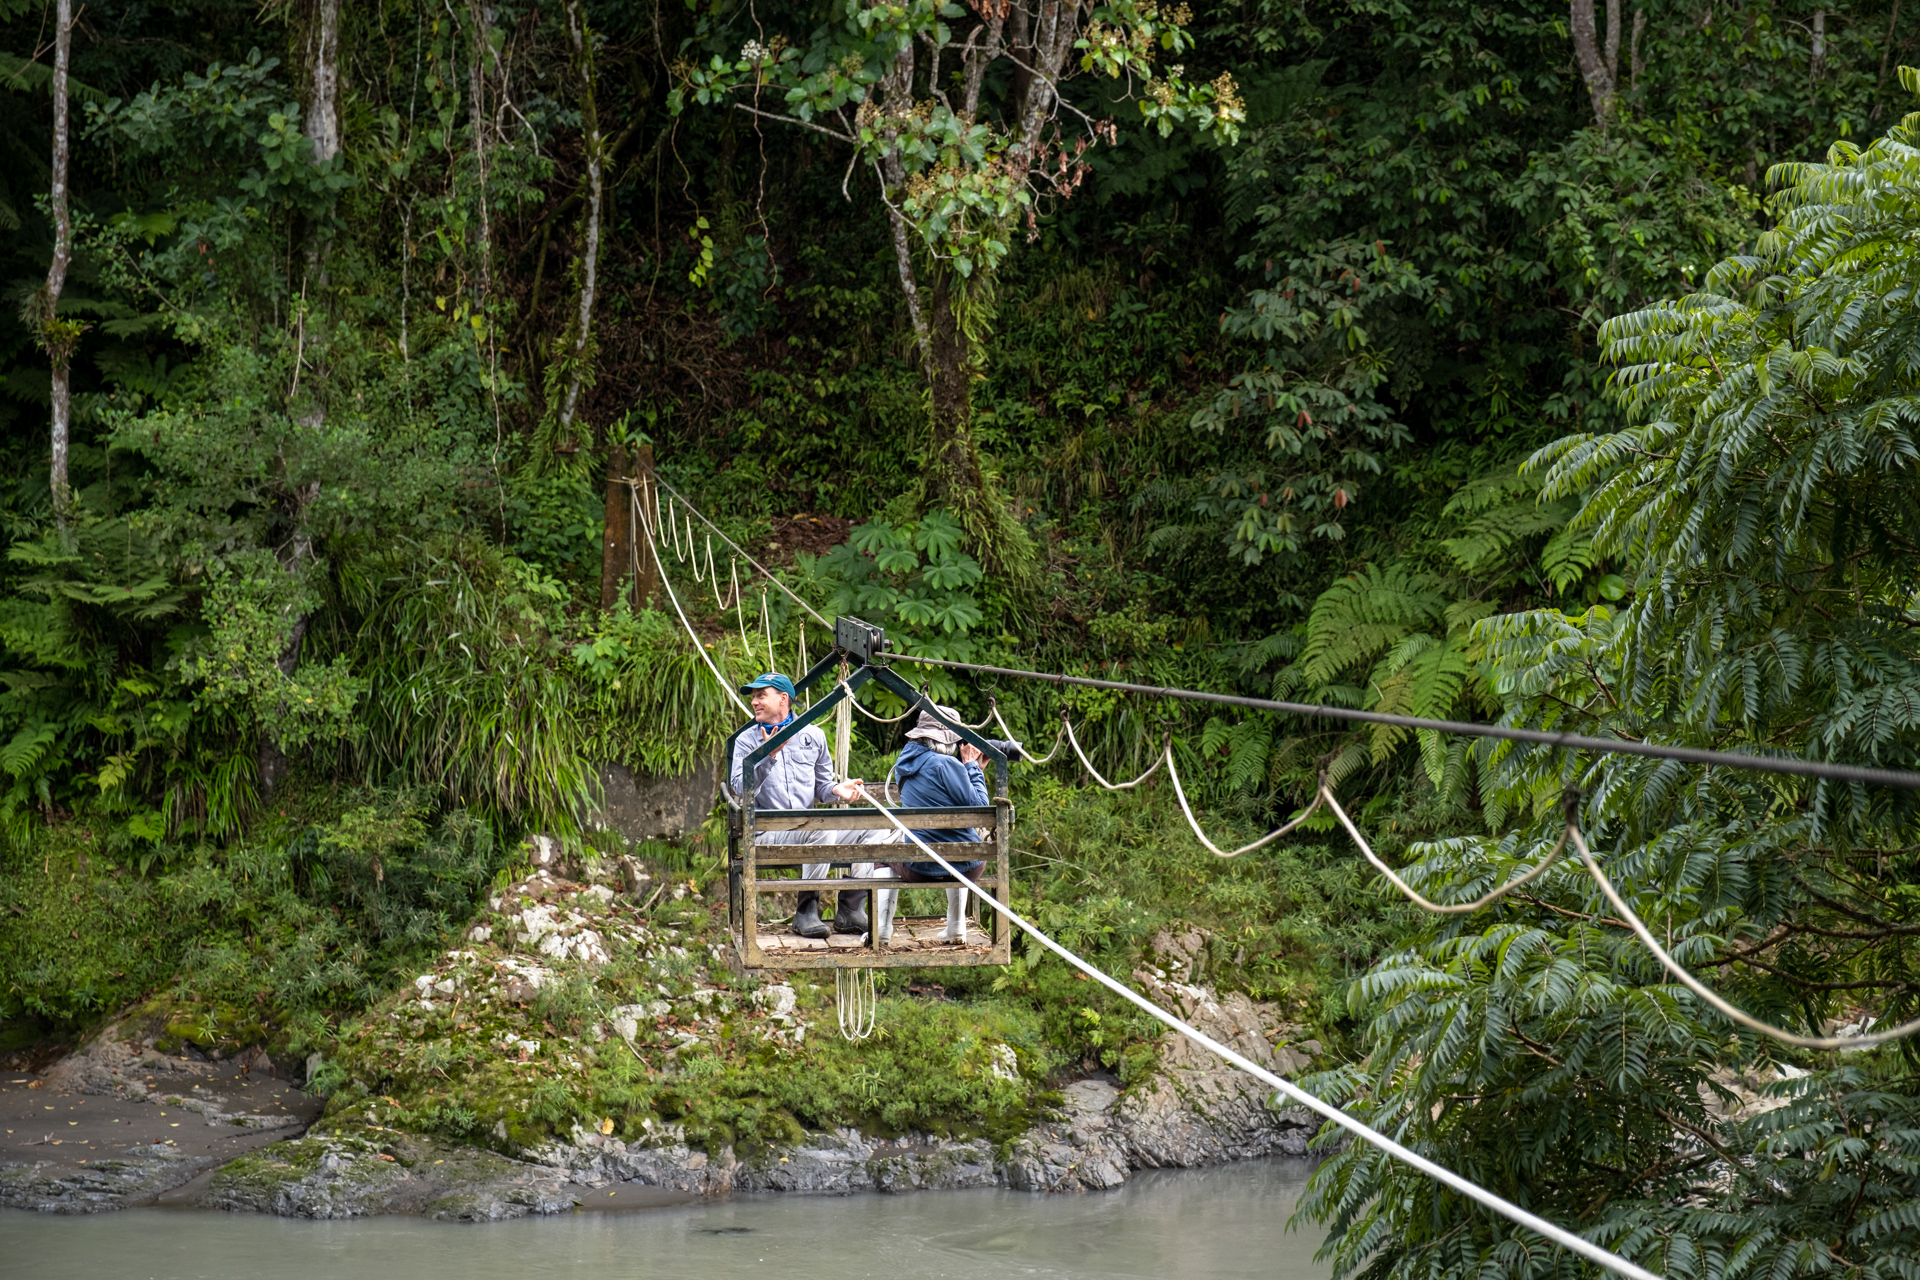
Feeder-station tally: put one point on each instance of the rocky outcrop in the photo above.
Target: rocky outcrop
(1084, 1150)
(1190, 1109)
(1197, 1109)
(134, 1177)
(661, 1160)
(354, 1173)
(135, 1122)
(643, 806)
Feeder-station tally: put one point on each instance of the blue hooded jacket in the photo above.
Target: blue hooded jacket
(930, 780)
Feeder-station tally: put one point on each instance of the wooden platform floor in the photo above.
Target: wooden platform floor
(910, 934)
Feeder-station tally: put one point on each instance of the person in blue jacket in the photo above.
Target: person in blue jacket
(939, 771)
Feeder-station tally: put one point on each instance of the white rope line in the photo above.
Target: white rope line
(740, 618)
(698, 647)
(1322, 795)
(877, 719)
(1058, 738)
(1262, 842)
(804, 668)
(766, 621)
(1706, 993)
(1473, 1191)
(855, 1002)
(1438, 908)
(713, 580)
(1111, 786)
(737, 547)
(843, 729)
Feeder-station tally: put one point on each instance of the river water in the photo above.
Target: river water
(1197, 1224)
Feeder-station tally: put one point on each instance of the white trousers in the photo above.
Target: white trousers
(859, 870)
(885, 901)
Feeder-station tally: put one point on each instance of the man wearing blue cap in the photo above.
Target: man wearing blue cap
(797, 776)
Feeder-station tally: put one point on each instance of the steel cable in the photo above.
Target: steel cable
(1820, 769)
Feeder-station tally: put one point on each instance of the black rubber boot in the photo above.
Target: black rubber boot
(850, 913)
(806, 917)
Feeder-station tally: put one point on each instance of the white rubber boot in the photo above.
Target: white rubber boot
(956, 915)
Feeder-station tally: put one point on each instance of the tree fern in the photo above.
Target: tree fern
(1766, 498)
(1361, 615)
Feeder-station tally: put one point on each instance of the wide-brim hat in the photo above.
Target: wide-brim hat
(769, 680)
(931, 731)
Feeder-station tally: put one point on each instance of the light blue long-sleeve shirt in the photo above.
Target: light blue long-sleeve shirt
(798, 776)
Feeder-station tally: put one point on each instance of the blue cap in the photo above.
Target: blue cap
(769, 680)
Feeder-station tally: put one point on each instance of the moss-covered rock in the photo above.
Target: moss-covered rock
(349, 1172)
(569, 1007)
(99, 1185)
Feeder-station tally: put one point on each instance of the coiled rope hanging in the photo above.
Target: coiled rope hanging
(855, 1002)
(843, 728)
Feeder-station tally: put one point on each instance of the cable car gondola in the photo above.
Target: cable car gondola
(759, 944)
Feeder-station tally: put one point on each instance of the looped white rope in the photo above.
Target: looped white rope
(877, 719)
(698, 647)
(1111, 786)
(1693, 984)
(740, 618)
(713, 580)
(1030, 758)
(766, 621)
(1441, 908)
(1472, 1190)
(1573, 834)
(737, 547)
(855, 1002)
(1267, 839)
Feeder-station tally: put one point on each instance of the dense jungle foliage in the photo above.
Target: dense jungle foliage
(1499, 362)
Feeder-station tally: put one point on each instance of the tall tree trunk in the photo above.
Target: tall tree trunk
(1613, 43)
(1586, 52)
(579, 355)
(56, 337)
(954, 477)
(1817, 55)
(322, 75)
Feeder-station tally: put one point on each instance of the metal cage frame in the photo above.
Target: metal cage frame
(861, 643)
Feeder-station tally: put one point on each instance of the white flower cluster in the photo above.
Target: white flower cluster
(753, 53)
